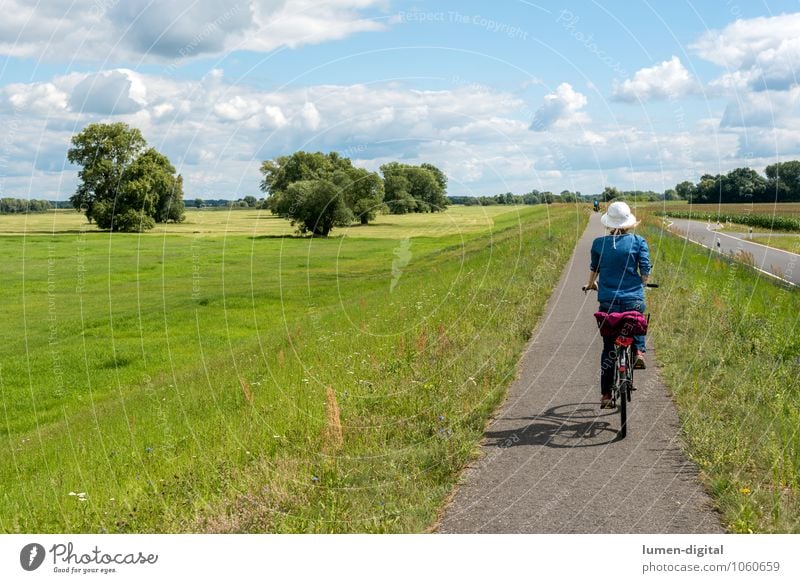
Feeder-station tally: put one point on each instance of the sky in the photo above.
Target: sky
(508, 95)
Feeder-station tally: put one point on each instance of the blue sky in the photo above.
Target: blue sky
(506, 95)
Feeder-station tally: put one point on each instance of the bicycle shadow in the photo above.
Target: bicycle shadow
(561, 426)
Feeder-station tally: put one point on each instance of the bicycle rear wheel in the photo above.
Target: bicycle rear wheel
(625, 386)
(623, 409)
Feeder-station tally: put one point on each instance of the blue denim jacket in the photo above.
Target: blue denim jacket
(621, 261)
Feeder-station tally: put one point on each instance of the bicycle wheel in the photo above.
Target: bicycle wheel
(624, 390)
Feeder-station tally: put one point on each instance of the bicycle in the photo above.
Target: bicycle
(623, 326)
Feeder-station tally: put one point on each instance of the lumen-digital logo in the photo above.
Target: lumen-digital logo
(31, 556)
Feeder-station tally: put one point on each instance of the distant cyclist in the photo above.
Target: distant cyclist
(619, 268)
(596, 205)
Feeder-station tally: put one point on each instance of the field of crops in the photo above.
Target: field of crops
(786, 209)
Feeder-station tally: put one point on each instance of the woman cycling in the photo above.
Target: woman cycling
(619, 268)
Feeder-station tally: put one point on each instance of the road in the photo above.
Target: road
(551, 462)
(783, 264)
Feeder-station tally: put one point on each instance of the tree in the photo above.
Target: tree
(104, 151)
(686, 190)
(708, 189)
(123, 186)
(783, 182)
(439, 176)
(610, 193)
(251, 201)
(414, 188)
(284, 170)
(397, 195)
(742, 185)
(359, 191)
(567, 196)
(363, 192)
(316, 206)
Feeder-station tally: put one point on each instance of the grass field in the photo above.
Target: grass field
(789, 243)
(215, 377)
(258, 223)
(728, 343)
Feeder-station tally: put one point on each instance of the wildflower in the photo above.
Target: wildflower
(148, 449)
(746, 491)
(314, 479)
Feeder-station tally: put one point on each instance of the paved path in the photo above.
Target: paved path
(551, 462)
(775, 261)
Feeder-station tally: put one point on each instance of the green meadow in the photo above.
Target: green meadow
(223, 376)
(728, 342)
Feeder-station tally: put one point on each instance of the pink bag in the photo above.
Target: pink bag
(621, 323)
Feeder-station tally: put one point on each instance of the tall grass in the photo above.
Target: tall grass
(245, 384)
(729, 346)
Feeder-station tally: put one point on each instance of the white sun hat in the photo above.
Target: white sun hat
(618, 216)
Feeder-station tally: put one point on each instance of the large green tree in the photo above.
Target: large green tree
(123, 186)
(318, 206)
(103, 151)
(414, 188)
(354, 192)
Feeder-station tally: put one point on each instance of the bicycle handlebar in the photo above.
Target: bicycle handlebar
(585, 288)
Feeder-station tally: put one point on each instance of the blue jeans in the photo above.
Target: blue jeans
(607, 356)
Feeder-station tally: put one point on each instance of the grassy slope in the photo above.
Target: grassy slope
(180, 381)
(789, 243)
(729, 347)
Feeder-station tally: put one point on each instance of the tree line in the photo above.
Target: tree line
(10, 206)
(781, 183)
(126, 186)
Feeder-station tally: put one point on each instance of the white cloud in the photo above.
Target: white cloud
(109, 30)
(667, 80)
(762, 109)
(310, 115)
(35, 98)
(561, 109)
(110, 92)
(761, 53)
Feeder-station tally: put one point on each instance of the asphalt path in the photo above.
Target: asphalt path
(773, 261)
(551, 458)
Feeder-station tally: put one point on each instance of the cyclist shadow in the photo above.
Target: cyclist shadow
(570, 425)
